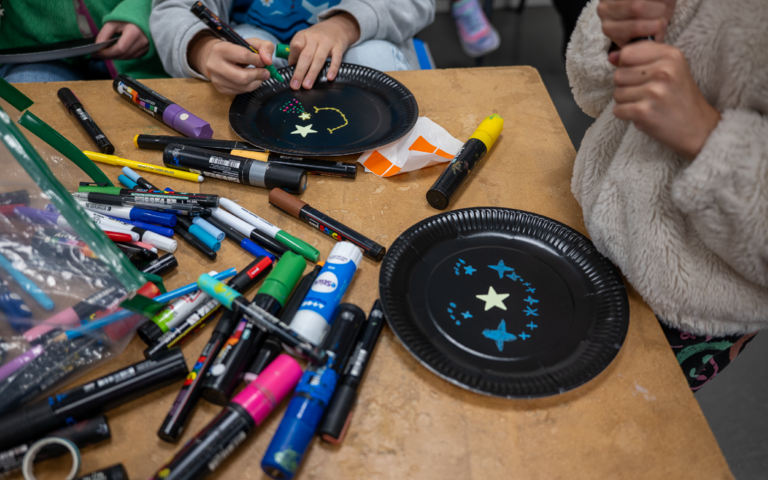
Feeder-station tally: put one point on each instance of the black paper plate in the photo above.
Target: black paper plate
(565, 309)
(360, 110)
(54, 51)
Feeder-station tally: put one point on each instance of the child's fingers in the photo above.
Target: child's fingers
(265, 49)
(298, 43)
(631, 94)
(645, 53)
(336, 56)
(623, 31)
(631, 9)
(107, 31)
(236, 54)
(630, 76)
(302, 66)
(318, 62)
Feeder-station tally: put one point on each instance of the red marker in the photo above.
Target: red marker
(119, 236)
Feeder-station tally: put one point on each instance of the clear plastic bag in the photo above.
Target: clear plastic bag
(62, 281)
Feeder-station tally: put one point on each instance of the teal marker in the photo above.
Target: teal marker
(28, 285)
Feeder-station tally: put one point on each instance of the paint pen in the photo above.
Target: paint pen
(272, 346)
(75, 108)
(200, 234)
(152, 238)
(327, 225)
(157, 203)
(115, 472)
(226, 33)
(145, 167)
(209, 228)
(138, 179)
(192, 240)
(204, 453)
(171, 315)
(87, 400)
(243, 281)
(82, 434)
(311, 166)
(241, 170)
(30, 287)
(311, 398)
(234, 300)
(339, 412)
(161, 266)
(241, 347)
(157, 105)
(297, 245)
(317, 311)
(131, 213)
(236, 230)
(159, 142)
(240, 239)
(127, 182)
(169, 199)
(439, 195)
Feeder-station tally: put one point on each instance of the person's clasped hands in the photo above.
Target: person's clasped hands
(132, 43)
(225, 63)
(654, 86)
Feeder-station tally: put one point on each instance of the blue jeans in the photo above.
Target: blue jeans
(378, 54)
(53, 71)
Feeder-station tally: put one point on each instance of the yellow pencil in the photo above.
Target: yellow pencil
(146, 167)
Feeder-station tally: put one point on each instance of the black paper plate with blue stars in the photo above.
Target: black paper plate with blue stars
(504, 302)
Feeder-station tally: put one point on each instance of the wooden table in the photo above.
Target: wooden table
(637, 419)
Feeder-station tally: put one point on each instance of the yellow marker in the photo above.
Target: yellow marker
(146, 167)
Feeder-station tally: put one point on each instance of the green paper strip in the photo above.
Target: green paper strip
(12, 95)
(26, 156)
(157, 280)
(53, 138)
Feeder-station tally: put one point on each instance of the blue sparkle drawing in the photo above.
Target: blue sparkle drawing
(501, 268)
(500, 335)
(466, 315)
(458, 322)
(527, 284)
(531, 290)
(530, 301)
(469, 270)
(450, 310)
(531, 311)
(523, 336)
(513, 276)
(532, 325)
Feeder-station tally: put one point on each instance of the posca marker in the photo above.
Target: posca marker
(145, 167)
(226, 33)
(327, 225)
(209, 228)
(181, 230)
(241, 170)
(439, 195)
(158, 106)
(297, 245)
(339, 412)
(154, 203)
(75, 108)
(200, 234)
(311, 398)
(127, 182)
(204, 453)
(138, 179)
(317, 311)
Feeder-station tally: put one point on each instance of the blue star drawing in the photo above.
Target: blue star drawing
(531, 290)
(514, 277)
(450, 310)
(530, 301)
(532, 325)
(531, 311)
(501, 268)
(466, 315)
(499, 335)
(469, 270)
(523, 336)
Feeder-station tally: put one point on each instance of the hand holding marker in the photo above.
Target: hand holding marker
(225, 32)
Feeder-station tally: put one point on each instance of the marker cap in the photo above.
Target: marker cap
(204, 237)
(283, 51)
(489, 130)
(126, 181)
(285, 275)
(249, 246)
(164, 231)
(128, 172)
(149, 216)
(210, 229)
(159, 241)
(188, 124)
(290, 179)
(272, 385)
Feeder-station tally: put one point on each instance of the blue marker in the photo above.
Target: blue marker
(311, 397)
(12, 304)
(317, 311)
(131, 213)
(200, 234)
(127, 182)
(210, 229)
(140, 181)
(27, 284)
(164, 231)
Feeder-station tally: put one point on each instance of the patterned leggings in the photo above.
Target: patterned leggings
(703, 357)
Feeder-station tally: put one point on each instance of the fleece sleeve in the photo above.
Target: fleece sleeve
(724, 192)
(392, 20)
(173, 26)
(586, 62)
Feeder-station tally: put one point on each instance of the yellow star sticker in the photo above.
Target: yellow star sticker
(303, 131)
(305, 116)
(493, 299)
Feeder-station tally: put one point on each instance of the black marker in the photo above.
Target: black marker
(115, 472)
(87, 400)
(82, 434)
(277, 248)
(182, 228)
(234, 169)
(161, 266)
(337, 417)
(75, 108)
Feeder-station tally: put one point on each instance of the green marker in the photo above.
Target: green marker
(297, 245)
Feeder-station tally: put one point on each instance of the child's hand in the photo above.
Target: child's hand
(624, 20)
(224, 63)
(310, 48)
(132, 44)
(655, 91)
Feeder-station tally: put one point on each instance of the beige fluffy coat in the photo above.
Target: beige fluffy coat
(691, 237)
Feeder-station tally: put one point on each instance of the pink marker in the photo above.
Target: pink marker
(209, 448)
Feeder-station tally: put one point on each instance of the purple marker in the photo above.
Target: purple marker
(42, 217)
(157, 105)
(14, 365)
